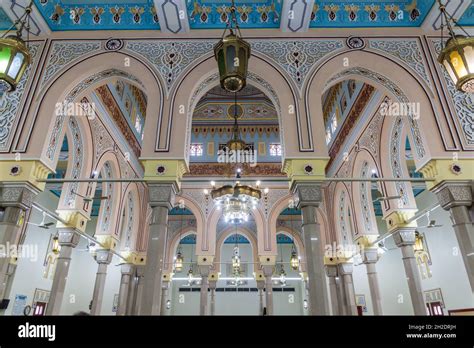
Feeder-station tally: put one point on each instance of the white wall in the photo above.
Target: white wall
(82, 271)
(448, 271)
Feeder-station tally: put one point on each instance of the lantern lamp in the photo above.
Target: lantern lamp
(178, 262)
(418, 246)
(457, 56)
(56, 246)
(232, 54)
(294, 260)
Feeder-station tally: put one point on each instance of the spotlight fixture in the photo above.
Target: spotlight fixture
(457, 56)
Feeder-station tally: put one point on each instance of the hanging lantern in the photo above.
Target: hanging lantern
(178, 262)
(14, 54)
(236, 259)
(418, 246)
(190, 274)
(294, 260)
(56, 247)
(282, 275)
(14, 59)
(232, 54)
(458, 59)
(457, 56)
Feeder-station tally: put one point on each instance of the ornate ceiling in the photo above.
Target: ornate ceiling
(217, 107)
(182, 15)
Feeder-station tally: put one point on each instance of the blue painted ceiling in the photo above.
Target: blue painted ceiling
(467, 18)
(5, 22)
(211, 14)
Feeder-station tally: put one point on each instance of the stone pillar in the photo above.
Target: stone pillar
(103, 257)
(164, 297)
(132, 287)
(331, 273)
(456, 197)
(261, 288)
(405, 239)
(345, 271)
(370, 257)
(309, 198)
(204, 270)
(268, 273)
(212, 305)
(125, 287)
(139, 283)
(341, 299)
(15, 201)
(161, 200)
(68, 239)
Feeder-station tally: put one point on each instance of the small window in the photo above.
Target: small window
(275, 149)
(333, 123)
(328, 136)
(196, 150)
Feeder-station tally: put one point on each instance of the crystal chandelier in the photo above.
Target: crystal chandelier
(14, 53)
(236, 201)
(458, 54)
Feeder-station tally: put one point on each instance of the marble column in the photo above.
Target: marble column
(161, 200)
(68, 239)
(341, 299)
(139, 283)
(268, 273)
(457, 198)
(15, 201)
(204, 270)
(103, 258)
(132, 287)
(8, 282)
(126, 280)
(261, 289)
(164, 297)
(309, 198)
(212, 305)
(345, 271)
(331, 273)
(405, 239)
(369, 258)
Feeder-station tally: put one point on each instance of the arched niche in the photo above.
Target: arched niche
(232, 231)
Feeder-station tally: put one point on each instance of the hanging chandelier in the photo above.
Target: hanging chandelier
(14, 53)
(294, 260)
(458, 54)
(232, 54)
(236, 201)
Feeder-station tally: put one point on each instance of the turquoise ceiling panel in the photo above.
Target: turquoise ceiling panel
(99, 14)
(374, 13)
(5, 21)
(467, 19)
(212, 14)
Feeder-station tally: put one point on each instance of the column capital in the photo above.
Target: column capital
(24, 172)
(127, 268)
(72, 219)
(309, 193)
(68, 236)
(398, 219)
(268, 270)
(331, 270)
(204, 270)
(345, 268)
(404, 236)
(454, 193)
(369, 255)
(166, 277)
(205, 260)
(260, 284)
(447, 169)
(107, 241)
(164, 170)
(103, 256)
(300, 169)
(162, 194)
(18, 195)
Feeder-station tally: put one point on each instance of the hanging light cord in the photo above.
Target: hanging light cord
(232, 21)
(23, 22)
(449, 18)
